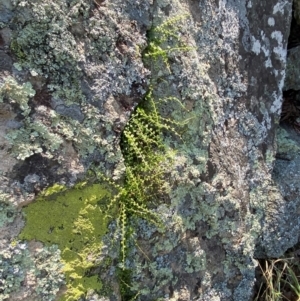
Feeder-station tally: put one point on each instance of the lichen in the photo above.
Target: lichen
(31, 139)
(7, 211)
(59, 50)
(49, 48)
(74, 220)
(17, 93)
(79, 62)
(206, 200)
(215, 151)
(18, 264)
(285, 144)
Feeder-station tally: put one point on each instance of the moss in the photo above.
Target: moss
(183, 79)
(75, 221)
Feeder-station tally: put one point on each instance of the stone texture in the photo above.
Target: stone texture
(292, 80)
(79, 73)
(281, 229)
(297, 10)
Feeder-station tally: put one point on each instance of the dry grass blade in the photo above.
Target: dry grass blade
(279, 280)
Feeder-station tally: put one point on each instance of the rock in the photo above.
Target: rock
(292, 79)
(281, 224)
(72, 111)
(286, 208)
(6, 13)
(213, 73)
(5, 62)
(297, 11)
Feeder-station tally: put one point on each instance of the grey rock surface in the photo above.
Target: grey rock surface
(76, 73)
(292, 79)
(297, 10)
(286, 223)
(282, 217)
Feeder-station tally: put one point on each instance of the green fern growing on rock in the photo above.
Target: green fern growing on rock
(146, 156)
(78, 218)
(147, 161)
(164, 40)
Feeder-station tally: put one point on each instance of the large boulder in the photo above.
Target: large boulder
(297, 11)
(292, 80)
(74, 73)
(283, 221)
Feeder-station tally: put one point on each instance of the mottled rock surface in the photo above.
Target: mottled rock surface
(297, 10)
(292, 80)
(72, 74)
(283, 216)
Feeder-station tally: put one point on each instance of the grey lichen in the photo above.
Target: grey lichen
(88, 58)
(13, 260)
(18, 265)
(57, 50)
(48, 48)
(82, 65)
(23, 268)
(221, 181)
(7, 211)
(17, 93)
(31, 136)
(286, 145)
(48, 271)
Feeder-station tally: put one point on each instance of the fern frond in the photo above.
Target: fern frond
(123, 222)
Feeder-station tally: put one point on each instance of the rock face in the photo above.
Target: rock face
(297, 10)
(72, 74)
(282, 220)
(292, 80)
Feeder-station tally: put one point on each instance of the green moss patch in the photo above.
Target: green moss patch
(76, 221)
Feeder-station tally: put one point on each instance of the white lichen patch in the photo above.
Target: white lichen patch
(281, 6)
(279, 50)
(255, 45)
(271, 21)
(17, 93)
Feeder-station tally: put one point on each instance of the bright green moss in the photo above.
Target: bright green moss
(74, 220)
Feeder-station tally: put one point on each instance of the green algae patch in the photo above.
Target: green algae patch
(76, 221)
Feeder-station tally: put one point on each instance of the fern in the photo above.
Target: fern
(147, 158)
(159, 39)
